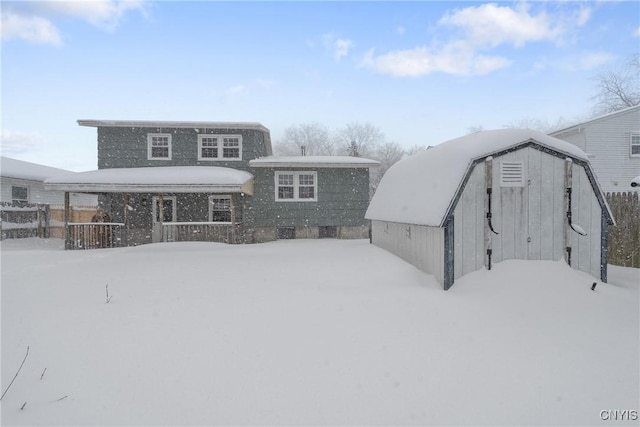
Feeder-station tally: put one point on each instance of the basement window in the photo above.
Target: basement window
(511, 174)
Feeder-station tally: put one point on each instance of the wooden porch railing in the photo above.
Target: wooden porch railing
(223, 232)
(94, 235)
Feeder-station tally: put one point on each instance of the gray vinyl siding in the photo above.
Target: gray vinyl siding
(120, 147)
(607, 142)
(342, 200)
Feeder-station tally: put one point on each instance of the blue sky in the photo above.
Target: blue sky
(421, 71)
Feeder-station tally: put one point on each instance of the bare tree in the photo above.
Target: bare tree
(360, 138)
(387, 154)
(618, 88)
(542, 125)
(314, 137)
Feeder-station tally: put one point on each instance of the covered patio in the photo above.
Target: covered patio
(157, 204)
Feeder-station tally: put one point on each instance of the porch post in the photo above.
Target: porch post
(126, 219)
(233, 218)
(67, 240)
(161, 214)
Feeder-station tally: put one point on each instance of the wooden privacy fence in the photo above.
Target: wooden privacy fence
(624, 237)
(24, 220)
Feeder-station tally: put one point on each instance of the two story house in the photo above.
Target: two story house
(176, 181)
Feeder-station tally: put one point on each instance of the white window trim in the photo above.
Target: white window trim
(631, 144)
(222, 196)
(150, 146)
(296, 185)
(13, 200)
(220, 148)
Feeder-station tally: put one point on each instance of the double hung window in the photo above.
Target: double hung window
(159, 146)
(635, 144)
(219, 147)
(219, 208)
(296, 186)
(19, 194)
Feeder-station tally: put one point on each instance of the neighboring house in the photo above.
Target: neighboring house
(23, 183)
(26, 208)
(489, 197)
(169, 181)
(612, 144)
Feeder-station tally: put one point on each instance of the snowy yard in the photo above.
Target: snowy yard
(308, 332)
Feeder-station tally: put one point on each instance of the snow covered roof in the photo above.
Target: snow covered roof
(420, 189)
(180, 179)
(12, 168)
(313, 161)
(173, 124)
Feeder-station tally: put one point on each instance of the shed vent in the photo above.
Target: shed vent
(511, 174)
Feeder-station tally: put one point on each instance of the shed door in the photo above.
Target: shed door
(530, 212)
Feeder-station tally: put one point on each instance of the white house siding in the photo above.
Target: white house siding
(607, 143)
(37, 194)
(419, 245)
(587, 213)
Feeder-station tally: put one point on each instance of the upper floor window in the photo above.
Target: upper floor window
(159, 146)
(296, 186)
(19, 194)
(219, 147)
(635, 144)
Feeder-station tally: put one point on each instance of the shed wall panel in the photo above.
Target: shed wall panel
(419, 245)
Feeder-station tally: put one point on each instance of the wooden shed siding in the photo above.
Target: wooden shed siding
(586, 212)
(533, 212)
(468, 220)
(127, 147)
(343, 198)
(419, 245)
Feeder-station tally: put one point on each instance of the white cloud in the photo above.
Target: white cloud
(338, 47)
(16, 142)
(400, 30)
(491, 25)
(477, 31)
(32, 29)
(455, 58)
(105, 14)
(636, 33)
(34, 21)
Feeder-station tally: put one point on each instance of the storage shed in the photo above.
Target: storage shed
(492, 196)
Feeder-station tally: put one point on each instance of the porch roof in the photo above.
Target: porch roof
(161, 179)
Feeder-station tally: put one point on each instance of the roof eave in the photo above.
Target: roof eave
(152, 188)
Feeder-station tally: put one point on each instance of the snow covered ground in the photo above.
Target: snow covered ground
(308, 332)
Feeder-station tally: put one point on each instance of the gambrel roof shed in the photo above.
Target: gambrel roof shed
(503, 191)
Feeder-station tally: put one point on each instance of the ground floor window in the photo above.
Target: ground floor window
(220, 208)
(286, 233)
(168, 209)
(296, 186)
(19, 194)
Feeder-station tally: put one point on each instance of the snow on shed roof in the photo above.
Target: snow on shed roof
(12, 168)
(420, 189)
(184, 179)
(314, 161)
